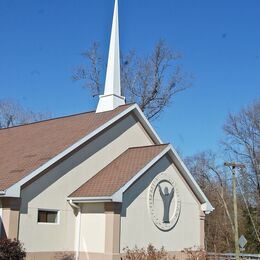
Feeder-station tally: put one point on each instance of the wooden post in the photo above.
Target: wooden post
(234, 188)
(233, 166)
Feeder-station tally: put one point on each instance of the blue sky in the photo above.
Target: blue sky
(41, 42)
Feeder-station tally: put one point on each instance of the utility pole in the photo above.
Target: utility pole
(233, 167)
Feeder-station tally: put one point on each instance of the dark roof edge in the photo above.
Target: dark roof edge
(57, 118)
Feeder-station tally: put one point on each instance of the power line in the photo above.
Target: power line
(251, 218)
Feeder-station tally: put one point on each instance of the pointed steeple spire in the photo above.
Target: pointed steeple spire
(112, 94)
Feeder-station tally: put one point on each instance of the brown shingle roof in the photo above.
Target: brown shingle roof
(25, 148)
(118, 172)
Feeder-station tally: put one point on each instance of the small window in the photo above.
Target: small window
(47, 216)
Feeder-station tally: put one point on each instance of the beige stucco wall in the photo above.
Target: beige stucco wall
(137, 227)
(92, 229)
(100, 231)
(9, 217)
(51, 190)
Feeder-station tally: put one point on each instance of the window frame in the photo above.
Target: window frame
(49, 210)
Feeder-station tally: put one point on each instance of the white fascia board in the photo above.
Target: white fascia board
(147, 125)
(207, 207)
(118, 196)
(14, 190)
(90, 199)
(205, 204)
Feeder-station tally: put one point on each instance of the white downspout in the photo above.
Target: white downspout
(1, 217)
(77, 233)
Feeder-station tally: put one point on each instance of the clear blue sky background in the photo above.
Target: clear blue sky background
(41, 42)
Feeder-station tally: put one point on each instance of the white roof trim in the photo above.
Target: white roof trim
(118, 196)
(89, 199)
(148, 127)
(205, 204)
(14, 190)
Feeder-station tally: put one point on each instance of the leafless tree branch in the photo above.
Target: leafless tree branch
(13, 113)
(150, 81)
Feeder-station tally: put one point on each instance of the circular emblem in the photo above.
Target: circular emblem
(164, 202)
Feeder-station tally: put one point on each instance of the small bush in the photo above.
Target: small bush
(65, 256)
(149, 253)
(11, 250)
(195, 253)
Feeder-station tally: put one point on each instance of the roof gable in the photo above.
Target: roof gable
(27, 147)
(30, 149)
(115, 175)
(112, 181)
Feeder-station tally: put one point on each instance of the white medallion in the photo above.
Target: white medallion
(164, 202)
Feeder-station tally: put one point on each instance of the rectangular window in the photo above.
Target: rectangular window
(47, 216)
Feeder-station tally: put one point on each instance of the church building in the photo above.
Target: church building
(91, 184)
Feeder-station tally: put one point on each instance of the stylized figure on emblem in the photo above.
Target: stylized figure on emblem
(167, 199)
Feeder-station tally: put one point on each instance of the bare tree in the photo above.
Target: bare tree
(92, 73)
(13, 113)
(150, 81)
(214, 182)
(242, 142)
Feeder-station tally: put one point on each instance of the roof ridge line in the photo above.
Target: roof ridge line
(144, 146)
(60, 117)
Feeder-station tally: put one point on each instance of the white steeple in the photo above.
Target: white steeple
(112, 95)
